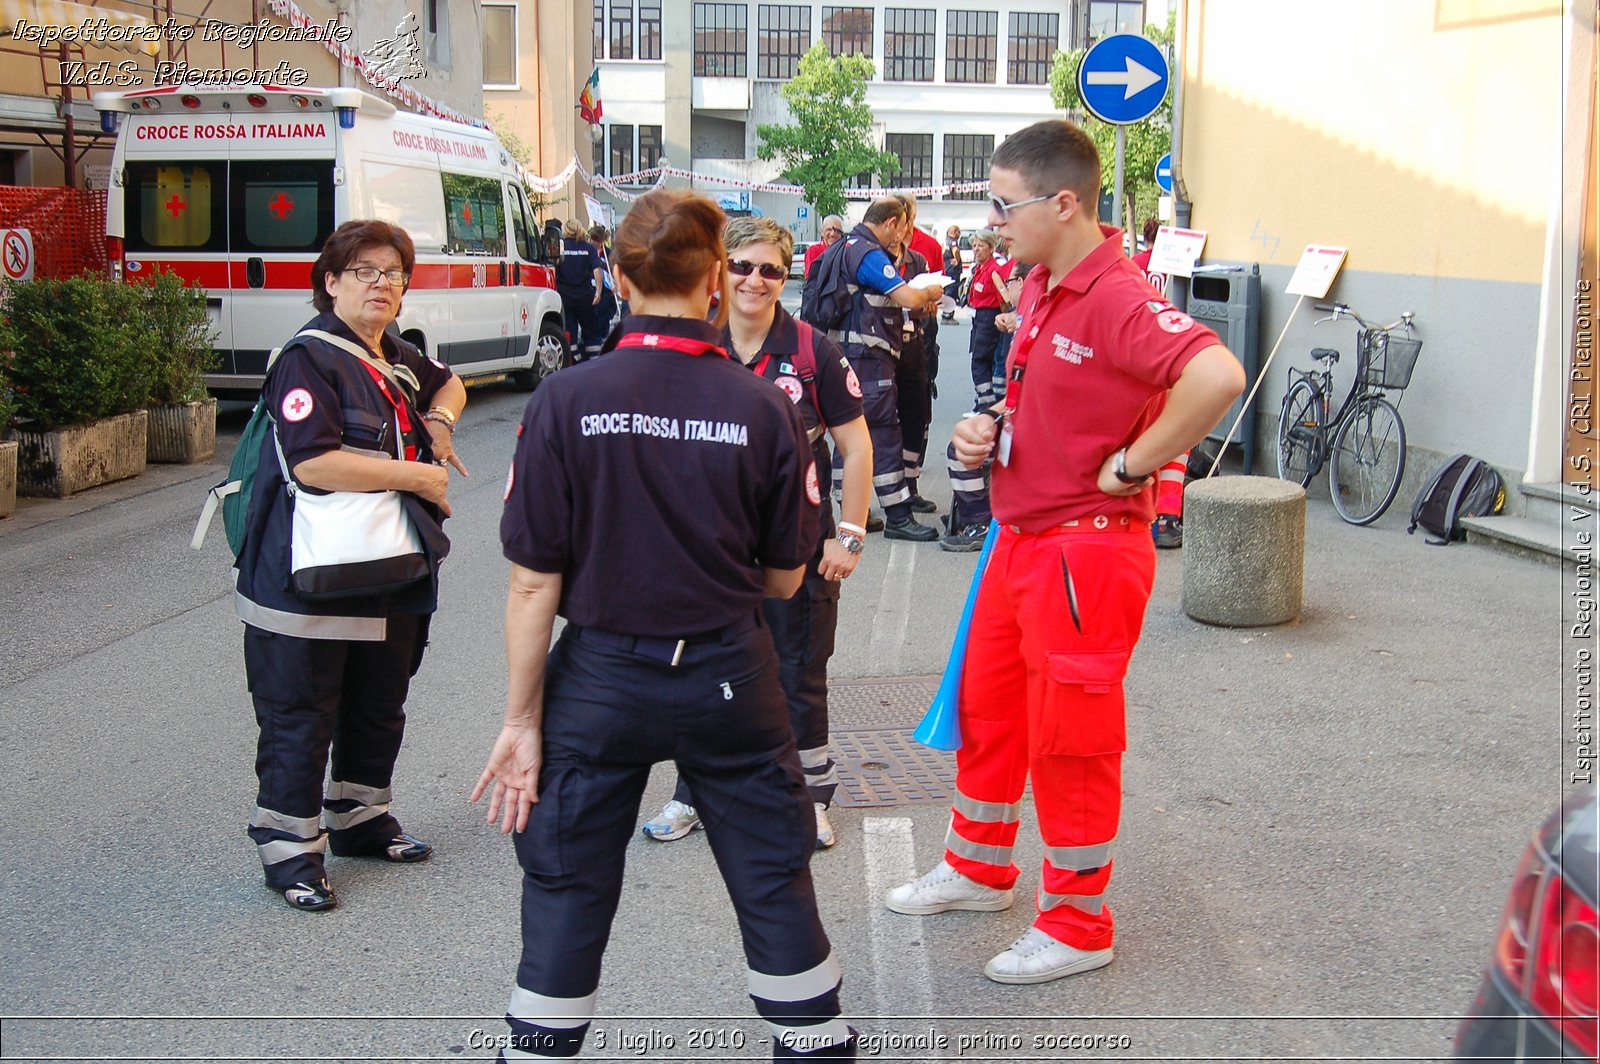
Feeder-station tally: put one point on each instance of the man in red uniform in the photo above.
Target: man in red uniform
(832, 230)
(1081, 432)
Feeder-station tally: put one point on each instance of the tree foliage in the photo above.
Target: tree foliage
(1147, 139)
(830, 141)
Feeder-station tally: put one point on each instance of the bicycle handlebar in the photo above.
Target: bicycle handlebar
(1341, 310)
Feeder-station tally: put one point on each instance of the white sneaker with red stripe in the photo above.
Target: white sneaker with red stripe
(1038, 958)
(944, 889)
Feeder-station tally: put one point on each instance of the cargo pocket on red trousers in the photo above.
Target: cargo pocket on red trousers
(1083, 705)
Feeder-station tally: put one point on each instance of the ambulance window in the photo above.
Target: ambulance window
(409, 197)
(521, 225)
(282, 206)
(474, 215)
(177, 206)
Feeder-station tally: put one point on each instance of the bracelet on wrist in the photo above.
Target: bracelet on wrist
(443, 415)
(846, 526)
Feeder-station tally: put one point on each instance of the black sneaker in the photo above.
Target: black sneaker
(968, 539)
(910, 529)
(874, 522)
(402, 849)
(313, 897)
(919, 505)
(1167, 532)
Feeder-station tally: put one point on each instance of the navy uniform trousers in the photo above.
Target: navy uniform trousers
(803, 627)
(915, 404)
(880, 403)
(986, 382)
(615, 705)
(310, 695)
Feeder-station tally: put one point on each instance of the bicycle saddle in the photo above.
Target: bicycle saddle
(1325, 354)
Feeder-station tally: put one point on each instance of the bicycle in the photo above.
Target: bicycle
(1364, 444)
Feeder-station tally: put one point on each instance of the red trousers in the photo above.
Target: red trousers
(1041, 698)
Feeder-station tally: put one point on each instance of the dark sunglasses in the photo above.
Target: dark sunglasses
(741, 268)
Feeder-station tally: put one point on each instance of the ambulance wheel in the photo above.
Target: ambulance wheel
(550, 353)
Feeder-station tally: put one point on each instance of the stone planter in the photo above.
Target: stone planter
(8, 478)
(182, 432)
(58, 462)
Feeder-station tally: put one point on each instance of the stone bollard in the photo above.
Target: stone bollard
(1244, 541)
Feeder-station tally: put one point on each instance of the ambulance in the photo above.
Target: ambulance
(236, 189)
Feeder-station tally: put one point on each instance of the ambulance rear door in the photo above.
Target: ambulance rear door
(481, 292)
(174, 189)
(281, 211)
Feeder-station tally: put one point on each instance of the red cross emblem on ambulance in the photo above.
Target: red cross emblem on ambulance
(176, 205)
(281, 206)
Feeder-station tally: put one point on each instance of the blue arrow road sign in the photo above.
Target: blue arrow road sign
(1123, 79)
(1164, 173)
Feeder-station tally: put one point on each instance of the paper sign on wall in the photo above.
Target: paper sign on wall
(1176, 251)
(1316, 271)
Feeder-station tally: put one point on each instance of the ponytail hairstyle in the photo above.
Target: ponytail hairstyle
(667, 243)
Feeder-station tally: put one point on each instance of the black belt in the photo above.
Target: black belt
(664, 649)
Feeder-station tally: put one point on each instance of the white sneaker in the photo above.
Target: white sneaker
(826, 839)
(944, 889)
(676, 821)
(1038, 958)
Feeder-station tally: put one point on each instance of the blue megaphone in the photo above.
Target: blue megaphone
(941, 725)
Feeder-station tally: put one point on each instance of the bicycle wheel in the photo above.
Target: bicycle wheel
(1368, 460)
(1300, 434)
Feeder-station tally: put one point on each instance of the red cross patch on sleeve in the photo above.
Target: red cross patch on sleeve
(297, 405)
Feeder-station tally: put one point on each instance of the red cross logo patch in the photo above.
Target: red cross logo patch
(281, 206)
(297, 405)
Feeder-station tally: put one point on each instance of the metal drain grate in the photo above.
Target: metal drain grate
(885, 768)
(889, 702)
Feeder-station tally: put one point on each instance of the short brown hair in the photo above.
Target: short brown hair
(347, 242)
(882, 210)
(669, 240)
(742, 232)
(1051, 156)
(598, 233)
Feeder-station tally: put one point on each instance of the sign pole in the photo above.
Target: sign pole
(1116, 188)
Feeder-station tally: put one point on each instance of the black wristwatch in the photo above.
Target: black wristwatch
(1119, 469)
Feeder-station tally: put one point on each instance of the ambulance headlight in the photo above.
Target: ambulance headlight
(108, 121)
(347, 117)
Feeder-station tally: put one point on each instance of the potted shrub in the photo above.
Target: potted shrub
(177, 331)
(81, 380)
(8, 446)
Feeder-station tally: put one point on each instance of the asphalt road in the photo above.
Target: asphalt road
(1320, 820)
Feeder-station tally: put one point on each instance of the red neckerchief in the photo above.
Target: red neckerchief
(681, 344)
(401, 413)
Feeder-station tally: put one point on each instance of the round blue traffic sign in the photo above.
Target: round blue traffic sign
(1123, 79)
(1164, 174)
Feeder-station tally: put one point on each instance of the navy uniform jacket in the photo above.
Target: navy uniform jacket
(659, 484)
(321, 399)
(872, 325)
(575, 271)
(832, 398)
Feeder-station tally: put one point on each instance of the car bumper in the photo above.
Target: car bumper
(1500, 1026)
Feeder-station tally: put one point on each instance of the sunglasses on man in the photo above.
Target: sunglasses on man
(742, 268)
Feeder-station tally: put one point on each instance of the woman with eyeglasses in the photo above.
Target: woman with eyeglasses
(354, 409)
(656, 497)
(812, 372)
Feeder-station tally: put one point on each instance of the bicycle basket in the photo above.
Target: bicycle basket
(1389, 359)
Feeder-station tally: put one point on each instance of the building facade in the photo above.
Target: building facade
(691, 82)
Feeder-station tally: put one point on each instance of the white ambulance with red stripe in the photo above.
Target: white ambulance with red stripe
(237, 189)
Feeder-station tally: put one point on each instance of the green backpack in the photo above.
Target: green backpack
(233, 494)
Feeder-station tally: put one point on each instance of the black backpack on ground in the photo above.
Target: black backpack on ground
(1463, 487)
(826, 299)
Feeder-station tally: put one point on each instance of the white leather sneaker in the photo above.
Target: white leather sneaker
(825, 834)
(1038, 958)
(944, 889)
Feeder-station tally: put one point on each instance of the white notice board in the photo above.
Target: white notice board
(1176, 251)
(1316, 271)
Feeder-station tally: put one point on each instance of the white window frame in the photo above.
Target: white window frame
(516, 52)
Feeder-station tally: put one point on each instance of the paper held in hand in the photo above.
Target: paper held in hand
(931, 279)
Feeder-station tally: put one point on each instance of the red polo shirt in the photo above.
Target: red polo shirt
(1100, 352)
(813, 253)
(926, 246)
(984, 293)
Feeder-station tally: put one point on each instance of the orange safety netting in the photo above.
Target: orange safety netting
(68, 227)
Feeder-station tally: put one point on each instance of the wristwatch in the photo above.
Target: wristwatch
(1119, 469)
(850, 541)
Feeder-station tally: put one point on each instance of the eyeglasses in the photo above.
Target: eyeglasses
(1001, 207)
(741, 268)
(370, 275)
(833, 230)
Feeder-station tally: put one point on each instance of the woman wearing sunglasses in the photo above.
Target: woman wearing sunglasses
(813, 373)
